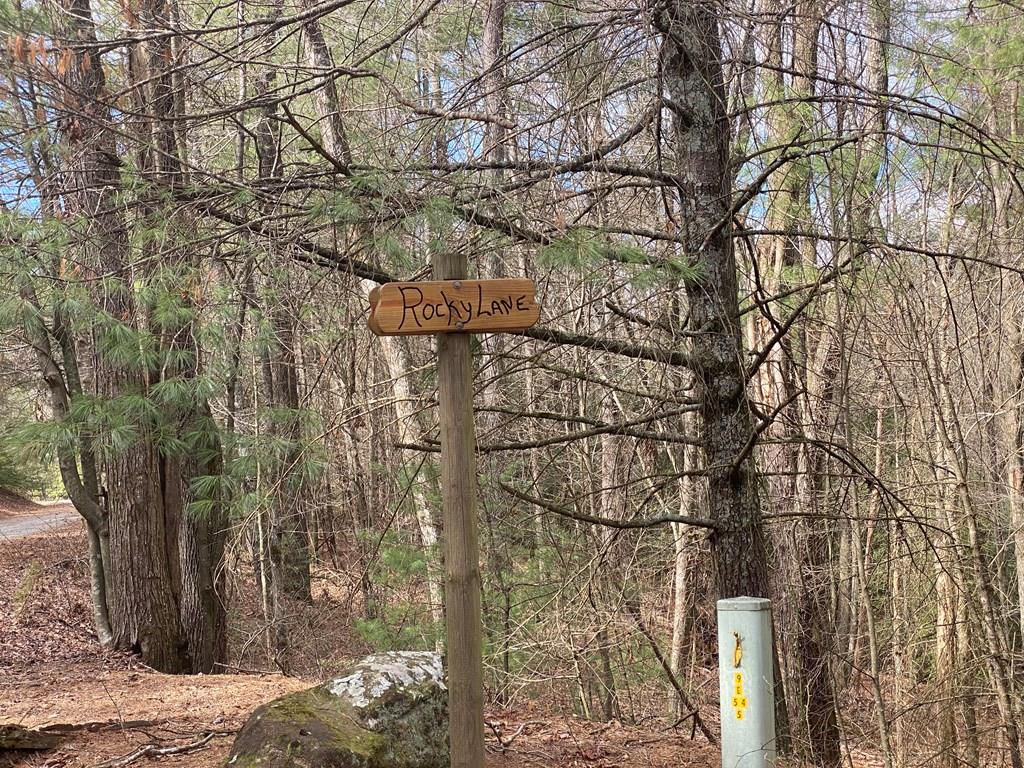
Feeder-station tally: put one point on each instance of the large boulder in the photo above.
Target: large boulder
(388, 711)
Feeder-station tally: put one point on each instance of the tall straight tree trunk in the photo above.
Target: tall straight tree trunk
(952, 442)
(398, 358)
(287, 535)
(901, 659)
(862, 553)
(1003, 122)
(325, 98)
(611, 505)
(1015, 463)
(397, 354)
(801, 546)
(691, 63)
(499, 566)
(685, 546)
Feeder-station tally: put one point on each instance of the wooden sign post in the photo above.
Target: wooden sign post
(452, 308)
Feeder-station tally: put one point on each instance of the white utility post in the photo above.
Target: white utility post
(746, 682)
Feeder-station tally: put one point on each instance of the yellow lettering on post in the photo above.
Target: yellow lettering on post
(739, 701)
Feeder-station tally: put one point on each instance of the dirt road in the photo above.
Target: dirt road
(45, 519)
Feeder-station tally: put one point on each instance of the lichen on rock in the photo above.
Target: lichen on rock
(388, 711)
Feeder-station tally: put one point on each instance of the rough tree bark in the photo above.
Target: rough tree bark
(152, 600)
(692, 70)
(197, 538)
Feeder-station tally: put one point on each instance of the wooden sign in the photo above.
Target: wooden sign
(452, 306)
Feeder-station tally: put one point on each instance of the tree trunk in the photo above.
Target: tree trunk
(399, 364)
(287, 535)
(195, 533)
(691, 63)
(83, 492)
(148, 595)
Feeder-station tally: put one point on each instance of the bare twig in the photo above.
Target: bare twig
(504, 743)
(634, 610)
(636, 522)
(155, 750)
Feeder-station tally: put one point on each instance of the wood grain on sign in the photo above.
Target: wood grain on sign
(453, 306)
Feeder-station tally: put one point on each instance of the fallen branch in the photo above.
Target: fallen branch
(155, 750)
(102, 725)
(504, 743)
(15, 737)
(693, 712)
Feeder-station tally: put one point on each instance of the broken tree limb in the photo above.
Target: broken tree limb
(155, 750)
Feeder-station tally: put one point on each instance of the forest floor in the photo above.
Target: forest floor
(105, 706)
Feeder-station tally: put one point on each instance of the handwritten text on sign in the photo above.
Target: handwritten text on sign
(452, 306)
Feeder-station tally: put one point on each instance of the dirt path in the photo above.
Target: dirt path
(106, 705)
(46, 518)
(108, 712)
(103, 703)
